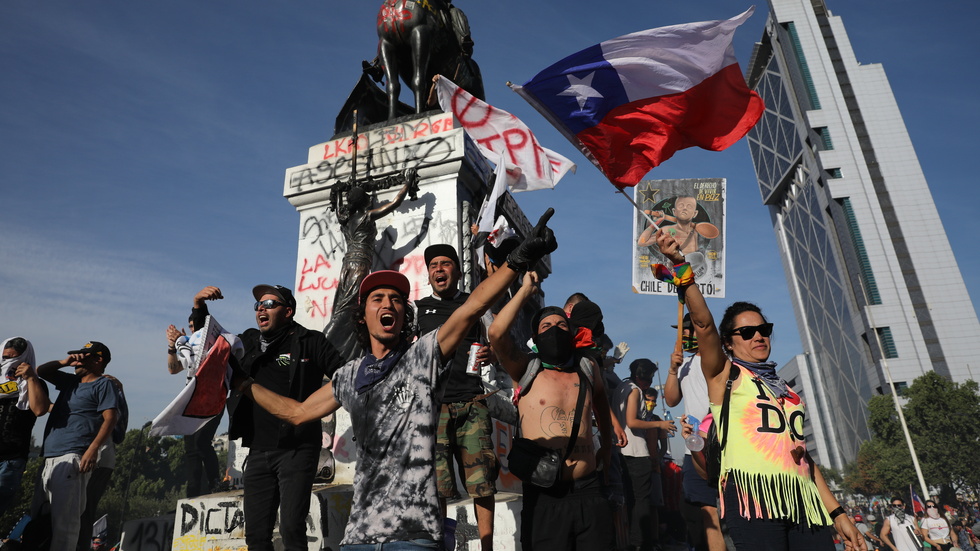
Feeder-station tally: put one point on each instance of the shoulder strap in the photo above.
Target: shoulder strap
(578, 410)
(533, 367)
(732, 374)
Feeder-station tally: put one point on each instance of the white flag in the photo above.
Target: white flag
(498, 134)
(204, 395)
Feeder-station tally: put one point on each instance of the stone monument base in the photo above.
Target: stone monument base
(217, 522)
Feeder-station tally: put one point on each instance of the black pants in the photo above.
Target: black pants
(278, 480)
(572, 515)
(773, 535)
(639, 470)
(200, 459)
(96, 488)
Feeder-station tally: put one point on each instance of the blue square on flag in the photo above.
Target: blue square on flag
(580, 89)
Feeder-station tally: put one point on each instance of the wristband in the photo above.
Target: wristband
(836, 513)
(681, 276)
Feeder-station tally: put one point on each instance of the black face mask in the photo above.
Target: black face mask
(554, 345)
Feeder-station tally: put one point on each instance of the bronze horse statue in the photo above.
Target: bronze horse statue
(417, 40)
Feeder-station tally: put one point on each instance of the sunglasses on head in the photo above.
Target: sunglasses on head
(749, 331)
(268, 304)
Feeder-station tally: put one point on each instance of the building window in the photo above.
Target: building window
(834, 173)
(804, 69)
(864, 264)
(887, 343)
(826, 144)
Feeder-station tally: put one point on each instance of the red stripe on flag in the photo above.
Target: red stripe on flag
(210, 393)
(635, 137)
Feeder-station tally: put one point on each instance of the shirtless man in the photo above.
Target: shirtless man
(572, 514)
(392, 395)
(685, 211)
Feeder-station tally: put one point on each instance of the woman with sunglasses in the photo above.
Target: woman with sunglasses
(772, 495)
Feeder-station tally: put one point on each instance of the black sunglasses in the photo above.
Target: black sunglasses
(749, 331)
(268, 304)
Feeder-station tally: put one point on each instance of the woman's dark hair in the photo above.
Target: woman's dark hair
(19, 344)
(728, 320)
(360, 328)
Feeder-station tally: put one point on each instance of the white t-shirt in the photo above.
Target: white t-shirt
(694, 389)
(938, 529)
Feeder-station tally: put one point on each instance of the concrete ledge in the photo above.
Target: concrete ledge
(217, 521)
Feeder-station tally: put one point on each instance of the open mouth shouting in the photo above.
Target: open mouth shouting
(262, 319)
(387, 321)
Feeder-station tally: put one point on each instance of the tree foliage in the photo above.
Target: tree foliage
(941, 417)
(147, 481)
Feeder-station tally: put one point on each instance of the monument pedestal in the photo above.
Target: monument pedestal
(217, 522)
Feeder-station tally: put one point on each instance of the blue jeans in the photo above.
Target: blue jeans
(11, 472)
(412, 545)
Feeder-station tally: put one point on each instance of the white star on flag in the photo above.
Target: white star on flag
(581, 88)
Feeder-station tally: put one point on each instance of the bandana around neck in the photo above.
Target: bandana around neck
(767, 372)
(372, 370)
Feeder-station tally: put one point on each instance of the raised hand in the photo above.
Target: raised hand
(539, 242)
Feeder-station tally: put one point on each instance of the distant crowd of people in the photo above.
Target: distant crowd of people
(590, 448)
(930, 525)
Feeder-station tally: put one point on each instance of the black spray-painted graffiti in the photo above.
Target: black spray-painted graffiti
(221, 518)
(320, 229)
(390, 159)
(150, 534)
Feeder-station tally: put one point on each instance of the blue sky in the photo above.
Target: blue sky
(143, 147)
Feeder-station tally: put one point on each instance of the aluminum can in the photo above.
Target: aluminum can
(471, 367)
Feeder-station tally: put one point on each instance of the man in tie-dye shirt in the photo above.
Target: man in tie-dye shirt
(392, 396)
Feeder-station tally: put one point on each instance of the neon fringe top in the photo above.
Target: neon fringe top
(765, 456)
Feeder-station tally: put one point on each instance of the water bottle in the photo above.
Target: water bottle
(668, 417)
(694, 442)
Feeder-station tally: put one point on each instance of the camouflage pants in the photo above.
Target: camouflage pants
(464, 434)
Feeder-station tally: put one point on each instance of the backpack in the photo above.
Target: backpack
(715, 444)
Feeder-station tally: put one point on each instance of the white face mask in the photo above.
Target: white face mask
(933, 512)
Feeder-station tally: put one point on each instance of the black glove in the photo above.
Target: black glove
(540, 242)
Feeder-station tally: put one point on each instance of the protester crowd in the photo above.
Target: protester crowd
(591, 449)
(898, 524)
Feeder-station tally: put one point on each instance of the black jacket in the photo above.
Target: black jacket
(311, 358)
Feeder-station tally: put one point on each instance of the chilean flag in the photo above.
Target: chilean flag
(629, 103)
(917, 505)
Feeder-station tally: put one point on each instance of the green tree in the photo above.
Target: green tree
(941, 416)
(147, 482)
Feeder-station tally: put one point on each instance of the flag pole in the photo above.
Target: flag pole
(632, 202)
(679, 347)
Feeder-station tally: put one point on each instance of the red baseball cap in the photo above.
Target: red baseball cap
(385, 278)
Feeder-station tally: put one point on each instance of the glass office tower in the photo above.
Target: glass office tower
(846, 194)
